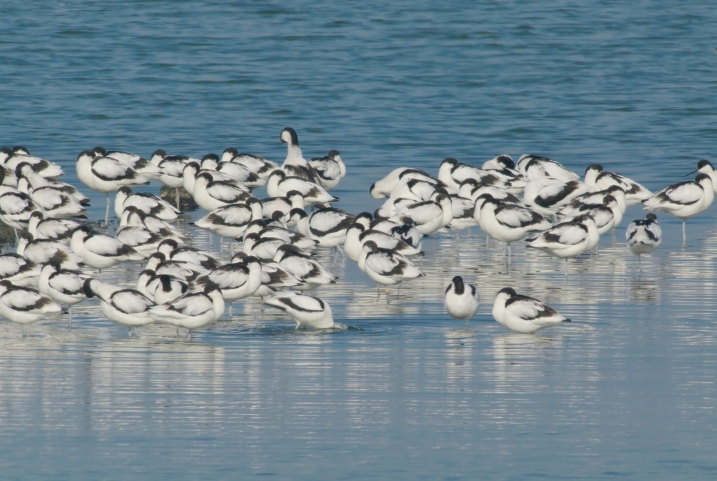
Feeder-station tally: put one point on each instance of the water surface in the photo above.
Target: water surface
(402, 391)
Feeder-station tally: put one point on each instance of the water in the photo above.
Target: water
(402, 391)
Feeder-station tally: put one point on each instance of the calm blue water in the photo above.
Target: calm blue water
(628, 390)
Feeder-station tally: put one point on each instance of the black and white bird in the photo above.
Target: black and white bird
(386, 267)
(461, 300)
(308, 270)
(385, 186)
(141, 239)
(683, 200)
(536, 167)
(100, 250)
(598, 179)
(597, 197)
(10, 159)
(237, 280)
(547, 196)
(233, 170)
(158, 263)
(255, 164)
(127, 307)
(176, 252)
(161, 288)
(16, 209)
(193, 310)
(326, 226)
(28, 179)
(143, 166)
(145, 202)
(417, 190)
(524, 314)
(452, 173)
(132, 216)
(42, 251)
(171, 169)
(643, 236)
(567, 239)
(18, 270)
(292, 200)
(428, 216)
(63, 286)
(24, 304)
(305, 310)
(263, 248)
(405, 230)
(507, 222)
(53, 229)
(358, 234)
(330, 169)
(295, 164)
(210, 194)
(705, 167)
(232, 220)
(267, 230)
(57, 204)
(607, 215)
(169, 288)
(279, 185)
(105, 174)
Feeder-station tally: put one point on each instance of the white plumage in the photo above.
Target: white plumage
(193, 310)
(524, 314)
(683, 200)
(99, 250)
(461, 300)
(24, 304)
(598, 179)
(643, 236)
(127, 307)
(305, 310)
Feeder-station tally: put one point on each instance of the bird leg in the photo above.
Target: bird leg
(388, 296)
(378, 292)
(684, 233)
(566, 267)
(107, 211)
(69, 312)
(176, 193)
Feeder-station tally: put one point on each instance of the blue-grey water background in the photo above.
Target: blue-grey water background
(627, 390)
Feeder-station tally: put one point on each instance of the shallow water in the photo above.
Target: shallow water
(401, 390)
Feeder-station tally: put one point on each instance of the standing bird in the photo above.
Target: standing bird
(598, 179)
(255, 164)
(24, 304)
(146, 202)
(305, 310)
(127, 307)
(568, 239)
(295, 163)
(535, 167)
(63, 286)
(330, 169)
(105, 174)
(99, 250)
(643, 236)
(684, 199)
(386, 267)
(524, 314)
(461, 300)
(193, 310)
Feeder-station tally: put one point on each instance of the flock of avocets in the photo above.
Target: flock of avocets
(187, 287)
